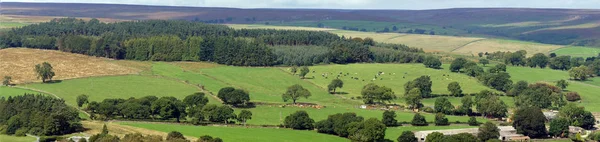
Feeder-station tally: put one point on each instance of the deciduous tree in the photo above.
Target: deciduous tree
(294, 93)
(44, 71)
(335, 83)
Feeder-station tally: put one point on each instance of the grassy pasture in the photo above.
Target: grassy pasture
(8, 25)
(587, 89)
(242, 133)
(393, 133)
(100, 88)
(7, 138)
(578, 51)
(265, 84)
(393, 77)
(11, 91)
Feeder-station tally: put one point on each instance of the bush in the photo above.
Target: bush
(419, 120)
(299, 120)
(473, 121)
(441, 120)
(573, 96)
(21, 132)
(428, 110)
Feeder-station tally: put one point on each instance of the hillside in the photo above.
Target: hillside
(432, 43)
(19, 63)
(579, 27)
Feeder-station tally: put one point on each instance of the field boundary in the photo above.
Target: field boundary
(471, 42)
(56, 96)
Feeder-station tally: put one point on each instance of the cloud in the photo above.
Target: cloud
(351, 4)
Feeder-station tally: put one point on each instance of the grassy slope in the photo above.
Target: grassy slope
(6, 138)
(578, 51)
(394, 77)
(452, 44)
(243, 134)
(588, 89)
(99, 88)
(172, 71)
(267, 84)
(10, 91)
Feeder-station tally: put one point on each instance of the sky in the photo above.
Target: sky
(352, 4)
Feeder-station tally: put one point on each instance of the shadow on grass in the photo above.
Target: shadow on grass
(53, 81)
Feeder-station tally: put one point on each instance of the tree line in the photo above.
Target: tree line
(170, 40)
(194, 108)
(579, 68)
(38, 115)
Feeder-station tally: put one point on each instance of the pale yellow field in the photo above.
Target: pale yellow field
(433, 43)
(242, 26)
(493, 45)
(95, 127)
(19, 63)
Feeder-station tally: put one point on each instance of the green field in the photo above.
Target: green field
(100, 88)
(8, 25)
(587, 89)
(394, 76)
(267, 85)
(578, 51)
(242, 133)
(11, 91)
(393, 133)
(6, 138)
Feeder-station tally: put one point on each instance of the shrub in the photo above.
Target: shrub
(573, 96)
(441, 120)
(299, 120)
(473, 121)
(419, 120)
(21, 132)
(428, 109)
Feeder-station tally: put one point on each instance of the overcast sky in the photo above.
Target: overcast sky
(351, 4)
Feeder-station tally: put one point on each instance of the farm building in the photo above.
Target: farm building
(507, 133)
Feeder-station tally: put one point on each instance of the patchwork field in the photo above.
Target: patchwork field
(242, 133)
(100, 88)
(19, 63)
(578, 51)
(372, 26)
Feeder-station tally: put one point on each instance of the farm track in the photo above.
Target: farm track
(474, 41)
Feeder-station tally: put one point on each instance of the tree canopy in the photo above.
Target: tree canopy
(295, 92)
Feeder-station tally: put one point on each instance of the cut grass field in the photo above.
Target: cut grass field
(242, 133)
(493, 45)
(578, 52)
(100, 88)
(19, 63)
(7, 138)
(12, 91)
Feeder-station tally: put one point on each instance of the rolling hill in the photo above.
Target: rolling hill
(554, 26)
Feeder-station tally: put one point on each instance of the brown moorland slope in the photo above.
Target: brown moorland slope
(19, 63)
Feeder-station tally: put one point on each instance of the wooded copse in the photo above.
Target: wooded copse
(170, 40)
(37, 115)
